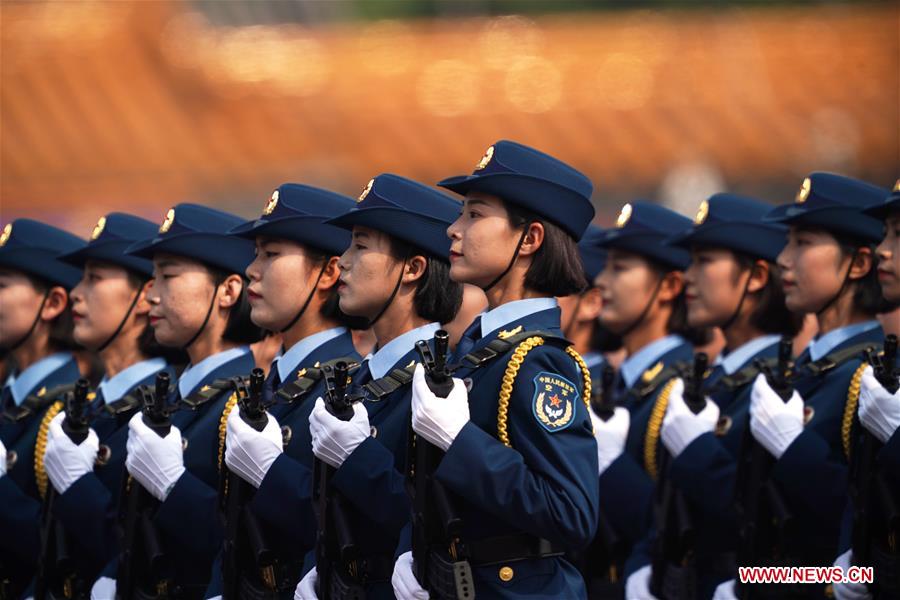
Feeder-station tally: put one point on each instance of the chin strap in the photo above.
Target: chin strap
(308, 299)
(840, 291)
(737, 311)
(212, 304)
(34, 323)
(123, 321)
(511, 262)
(644, 312)
(390, 299)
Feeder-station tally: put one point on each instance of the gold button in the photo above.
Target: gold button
(506, 573)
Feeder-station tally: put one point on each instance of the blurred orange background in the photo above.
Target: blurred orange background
(136, 106)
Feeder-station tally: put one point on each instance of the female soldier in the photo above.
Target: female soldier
(293, 290)
(731, 283)
(109, 308)
(521, 471)
(198, 302)
(36, 332)
(828, 269)
(395, 275)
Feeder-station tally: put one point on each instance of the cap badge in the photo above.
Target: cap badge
(271, 204)
(167, 223)
(366, 191)
(624, 216)
(897, 186)
(98, 228)
(805, 189)
(4, 237)
(486, 159)
(702, 213)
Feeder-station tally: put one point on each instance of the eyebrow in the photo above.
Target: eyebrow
(471, 201)
(165, 263)
(359, 234)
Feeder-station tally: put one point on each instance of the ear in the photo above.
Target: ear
(415, 268)
(590, 306)
(861, 263)
(534, 239)
(330, 274)
(57, 300)
(230, 290)
(142, 306)
(672, 285)
(759, 276)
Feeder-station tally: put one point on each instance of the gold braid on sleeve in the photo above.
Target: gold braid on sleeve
(506, 385)
(654, 426)
(40, 447)
(850, 408)
(223, 428)
(585, 375)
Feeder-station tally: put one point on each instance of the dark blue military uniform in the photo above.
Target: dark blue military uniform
(29, 247)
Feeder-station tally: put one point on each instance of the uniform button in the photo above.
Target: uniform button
(506, 573)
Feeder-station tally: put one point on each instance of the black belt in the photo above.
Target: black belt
(510, 548)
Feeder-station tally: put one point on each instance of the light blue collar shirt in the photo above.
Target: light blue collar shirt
(24, 383)
(635, 365)
(194, 374)
(384, 359)
(118, 385)
(505, 314)
(824, 344)
(735, 361)
(297, 353)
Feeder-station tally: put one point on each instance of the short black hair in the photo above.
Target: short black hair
(239, 328)
(62, 327)
(437, 298)
(556, 268)
(867, 297)
(331, 308)
(147, 344)
(771, 315)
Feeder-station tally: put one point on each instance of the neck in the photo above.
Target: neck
(35, 348)
(580, 336)
(206, 346)
(120, 355)
(311, 323)
(651, 329)
(841, 313)
(740, 333)
(397, 320)
(510, 288)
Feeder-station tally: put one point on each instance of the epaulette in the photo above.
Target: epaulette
(503, 344)
(123, 405)
(393, 381)
(836, 359)
(35, 403)
(208, 392)
(650, 382)
(742, 377)
(296, 390)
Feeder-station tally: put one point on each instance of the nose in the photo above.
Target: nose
(453, 230)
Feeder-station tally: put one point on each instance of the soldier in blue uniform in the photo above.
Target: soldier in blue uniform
(36, 333)
(395, 275)
(110, 309)
(293, 290)
(199, 303)
(643, 304)
(520, 460)
(828, 268)
(879, 416)
(731, 283)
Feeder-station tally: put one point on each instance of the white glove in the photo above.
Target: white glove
(849, 591)
(774, 423)
(637, 586)
(2, 459)
(404, 582)
(681, 426)
(611, 436)
(879, 410)
(155, 462)
(66, 461)
(306, 589)
(249, 452)
(334, 440)
(104, 589)
(438, 420)
(725, 591)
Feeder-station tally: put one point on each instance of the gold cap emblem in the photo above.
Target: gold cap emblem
(486, 159)
(624, 215)
(98, 228)
(702, 213)
(897, 186)
(366, 191)
(805, 189)
(271, 204)
(167, 223)
(506, 573)
(4, 237)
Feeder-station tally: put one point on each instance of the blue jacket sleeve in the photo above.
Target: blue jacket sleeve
(626, 497)
(547, 481)
(190, 516)
(19, 522)
(284, 501)
(809, 475)
(86, 510)
(705, 472)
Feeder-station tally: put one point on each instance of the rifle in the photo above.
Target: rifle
(142, 563)
(57, 575)
(336, 552)
(244, 541)
(763, 512)
(435, 524)
(875, 500)
(673, 573)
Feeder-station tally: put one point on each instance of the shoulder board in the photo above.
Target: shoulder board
(839, 357)
(35, 403)
(208, 392)
(500, 346)
(742, 377)
(645, 388)
(291, 392)
(393, 381)
(123, 405)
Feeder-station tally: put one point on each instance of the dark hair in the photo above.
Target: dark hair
(867, 296)
(771, 314)
(604, 340)
(556, 269)
(331, 308)
(147, 344)
(239, 328)
(678, 319)
(437, 297)
(62, 335)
